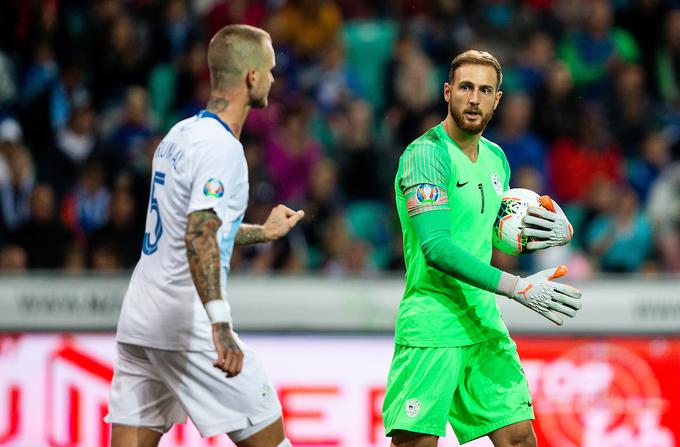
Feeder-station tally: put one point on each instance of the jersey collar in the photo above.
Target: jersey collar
(206, 114)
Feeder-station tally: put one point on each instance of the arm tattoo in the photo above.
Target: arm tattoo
(217, 105)
(203, 253)
(224, 337)
(249, 234)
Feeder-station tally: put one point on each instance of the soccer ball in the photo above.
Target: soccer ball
(507, 236)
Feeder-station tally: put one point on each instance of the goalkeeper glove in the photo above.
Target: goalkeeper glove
(539, 293)
(550, 226)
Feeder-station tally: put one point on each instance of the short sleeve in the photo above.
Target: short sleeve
(425, 176)
(213, 172)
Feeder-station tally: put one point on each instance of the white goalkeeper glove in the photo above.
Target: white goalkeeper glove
(549, 226)
(539, 293)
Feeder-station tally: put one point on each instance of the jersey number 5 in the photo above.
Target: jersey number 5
(148, 247)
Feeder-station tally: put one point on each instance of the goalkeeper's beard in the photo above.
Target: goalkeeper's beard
(470, 128)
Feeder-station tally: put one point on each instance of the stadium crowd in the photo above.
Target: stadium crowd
(590, 114)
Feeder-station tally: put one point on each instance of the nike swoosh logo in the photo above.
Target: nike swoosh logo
(459, 184)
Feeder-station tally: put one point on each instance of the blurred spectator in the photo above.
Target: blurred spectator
(574, 163)
(75, 143)
(42, 237)
(67, 93)
(309, 25)
(521, 146)
(105, 258)
(358, 154)
(664, 210)
(121, 235)
(594, 52)
(174, 32)
(448, 31)
(134, 129)
(74, 259)
(13, 259)
(86, 208)
(642, 19)
(322, 203)
(343, 254)
(417, 91)
(121, 62)
(226, 12)
(16, 185)
(41, 74)
(667, 61)
(630, 110)
(556, 106)
(644, 168)
(533, 62)
(332, 83)
(8, 88)
(291, 154)
(192, 73)
(621, 240)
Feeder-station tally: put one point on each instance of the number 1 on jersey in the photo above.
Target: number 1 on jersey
(148, 247)
(481, 191)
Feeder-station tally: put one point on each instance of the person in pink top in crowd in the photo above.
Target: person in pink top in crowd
(291, 154)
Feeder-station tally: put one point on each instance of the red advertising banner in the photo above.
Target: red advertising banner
(613, 392)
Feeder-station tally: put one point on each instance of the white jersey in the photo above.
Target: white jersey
(198, 165)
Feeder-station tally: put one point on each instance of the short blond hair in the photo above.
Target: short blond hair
(476, 57)
(232, 51)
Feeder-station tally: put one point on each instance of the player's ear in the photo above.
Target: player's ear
(251, 78)
(498, 99)
(447, 91)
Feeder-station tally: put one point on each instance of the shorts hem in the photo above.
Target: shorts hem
(161, 428)
(229, 427)
(467, 437)
(265, 421)
(208, 431)
(425, 430)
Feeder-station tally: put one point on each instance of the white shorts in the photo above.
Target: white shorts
(155, 389)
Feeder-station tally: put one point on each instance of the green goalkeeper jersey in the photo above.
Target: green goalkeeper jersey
(436, 179)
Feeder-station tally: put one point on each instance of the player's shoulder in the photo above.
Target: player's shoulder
(493, 148)
(208, 137)
(430, 143)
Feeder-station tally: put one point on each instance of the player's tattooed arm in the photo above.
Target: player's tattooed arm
(280, 221)
(203, 253)
(229, 354)
(249, 234)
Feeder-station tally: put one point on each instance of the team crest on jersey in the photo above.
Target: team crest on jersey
(496, 182)
(412, 408)
(213, 188)
(425, 197)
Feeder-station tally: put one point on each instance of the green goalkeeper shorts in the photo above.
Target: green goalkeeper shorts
(477, 389)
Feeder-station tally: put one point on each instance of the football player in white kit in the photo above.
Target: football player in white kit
(177, 353)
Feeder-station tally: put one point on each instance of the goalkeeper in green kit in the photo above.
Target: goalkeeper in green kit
(454, 360)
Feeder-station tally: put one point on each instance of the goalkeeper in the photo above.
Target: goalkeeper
(454, 360)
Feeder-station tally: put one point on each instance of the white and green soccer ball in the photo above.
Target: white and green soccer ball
(507, 230)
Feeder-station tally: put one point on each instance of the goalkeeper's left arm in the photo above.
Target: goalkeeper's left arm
(538, 291)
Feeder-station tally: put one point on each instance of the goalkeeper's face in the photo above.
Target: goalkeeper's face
(472, 96)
